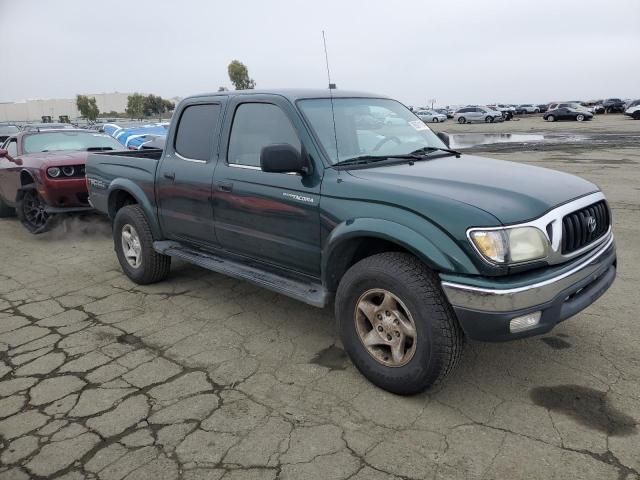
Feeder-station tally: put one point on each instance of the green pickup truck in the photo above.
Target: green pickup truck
(349, 199)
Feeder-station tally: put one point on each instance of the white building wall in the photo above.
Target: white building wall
(34, 110)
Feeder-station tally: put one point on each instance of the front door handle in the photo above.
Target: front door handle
(169, 175)
(225, 187)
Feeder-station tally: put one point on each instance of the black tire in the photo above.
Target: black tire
(5, 210)
(537, 110)
(580, 118)
(30, 211)
(462, 120)
(551, 118)
(439, 338)
(154, 267)
(435, 120)
(636, 115)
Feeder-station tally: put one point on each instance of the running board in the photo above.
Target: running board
(307, 292)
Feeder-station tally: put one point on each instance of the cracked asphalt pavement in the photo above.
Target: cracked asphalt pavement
(206, 377)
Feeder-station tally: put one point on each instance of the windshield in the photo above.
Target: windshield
(366, 126)
(78, 141)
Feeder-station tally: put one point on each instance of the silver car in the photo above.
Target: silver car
(477, 114)
(431, 116)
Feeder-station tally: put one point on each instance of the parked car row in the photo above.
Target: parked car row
(138, 136)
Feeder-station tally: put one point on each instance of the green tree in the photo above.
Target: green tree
(169, 106)
(87, 107)
(135, 106)
(155, 105)
(239, 76)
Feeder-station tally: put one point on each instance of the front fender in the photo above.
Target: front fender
(133, 189)
(435, 248)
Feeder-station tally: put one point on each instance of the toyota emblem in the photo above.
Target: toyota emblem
(591, 224)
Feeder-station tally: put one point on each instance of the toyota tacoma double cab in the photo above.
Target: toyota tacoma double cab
(415, 245)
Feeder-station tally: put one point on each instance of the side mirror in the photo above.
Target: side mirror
(283, 158)
(3, 153)
(444, 137)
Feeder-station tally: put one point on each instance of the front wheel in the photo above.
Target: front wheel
(462, 120)
(550, 118)
(396, 325)
(32, 210)
(435, 120)
(636, 115)
(580, 117)
(133, 244)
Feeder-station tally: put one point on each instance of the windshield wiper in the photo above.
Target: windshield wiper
(365, 159)
(426, 150)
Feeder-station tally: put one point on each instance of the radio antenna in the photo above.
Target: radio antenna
(332, 86)
(326, 59)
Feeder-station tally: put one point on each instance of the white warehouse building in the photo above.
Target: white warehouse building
(34, 110)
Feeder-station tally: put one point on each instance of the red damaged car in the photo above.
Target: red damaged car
(42, 174)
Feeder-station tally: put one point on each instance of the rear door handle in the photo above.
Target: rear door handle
(169, 175)
(225, 187)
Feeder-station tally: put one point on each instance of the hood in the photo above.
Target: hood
(48, 159)
(511, 192)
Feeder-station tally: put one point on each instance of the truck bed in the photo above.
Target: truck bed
(135, 169)
(153, 153)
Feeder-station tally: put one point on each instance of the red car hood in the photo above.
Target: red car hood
(49, 159)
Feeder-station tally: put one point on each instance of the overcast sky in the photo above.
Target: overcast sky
(455, 51)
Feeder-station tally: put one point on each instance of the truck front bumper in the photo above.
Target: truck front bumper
(486, 311)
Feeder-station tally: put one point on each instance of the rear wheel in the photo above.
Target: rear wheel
(462, 120)
(395, 323)
(32, 210)
(133, 244)
(636, 115)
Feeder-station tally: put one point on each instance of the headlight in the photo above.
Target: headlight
(68, 171)
(53, 172)
(510, 245)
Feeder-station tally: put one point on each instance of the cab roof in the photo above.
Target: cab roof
(293, 94)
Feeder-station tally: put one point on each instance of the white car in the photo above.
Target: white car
(527, 108)
(431, 116)
(477, 114)
(505, 108)
(633, 111)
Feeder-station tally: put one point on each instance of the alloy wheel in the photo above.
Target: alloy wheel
(385, 327)
(131, 246)
(34, 209)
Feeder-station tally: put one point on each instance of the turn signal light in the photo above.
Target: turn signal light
(525, 322)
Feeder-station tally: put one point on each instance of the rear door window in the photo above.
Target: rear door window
(197, 131)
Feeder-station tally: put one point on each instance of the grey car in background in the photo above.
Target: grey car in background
(478, 114)
(431, 116)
